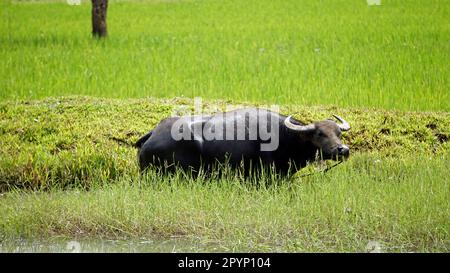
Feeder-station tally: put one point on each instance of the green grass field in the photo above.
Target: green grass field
(342, 53)
(67, 101)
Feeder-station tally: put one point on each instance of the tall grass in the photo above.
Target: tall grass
(342, 53)
(400, 203)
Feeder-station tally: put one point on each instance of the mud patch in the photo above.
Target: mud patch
(442, 138)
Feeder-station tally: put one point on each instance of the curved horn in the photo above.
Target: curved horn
(344, 126)
(298, 128)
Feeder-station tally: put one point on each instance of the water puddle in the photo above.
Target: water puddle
(104, 245)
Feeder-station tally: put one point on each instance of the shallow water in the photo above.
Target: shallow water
(65, 245)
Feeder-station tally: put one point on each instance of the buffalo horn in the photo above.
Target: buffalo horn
(298, 128)
(344, 126)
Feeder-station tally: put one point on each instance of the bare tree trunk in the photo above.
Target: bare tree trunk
(99, 8)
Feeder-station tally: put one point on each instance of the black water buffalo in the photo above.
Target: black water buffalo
(246, 138)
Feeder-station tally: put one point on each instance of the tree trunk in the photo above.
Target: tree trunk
(99, 8)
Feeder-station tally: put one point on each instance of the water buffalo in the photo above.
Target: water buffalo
(246, 138)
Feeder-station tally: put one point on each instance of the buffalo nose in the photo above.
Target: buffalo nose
(343, 150)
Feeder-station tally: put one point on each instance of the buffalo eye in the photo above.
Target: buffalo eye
(321, 134)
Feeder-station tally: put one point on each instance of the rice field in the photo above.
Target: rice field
(342, 53)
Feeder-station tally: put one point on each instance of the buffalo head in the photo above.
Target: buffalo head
(324, 135)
